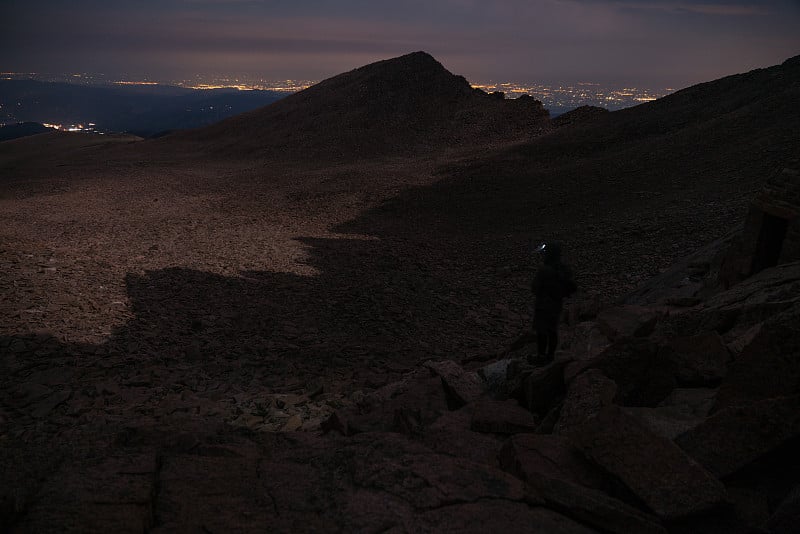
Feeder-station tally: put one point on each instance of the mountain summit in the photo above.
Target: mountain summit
(391, 107)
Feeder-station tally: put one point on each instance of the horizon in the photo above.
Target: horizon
(660, 43)
(245, 82)
(557, 99)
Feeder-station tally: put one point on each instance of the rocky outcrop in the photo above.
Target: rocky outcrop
(461, 387)
(627, 321)
(642, 369)
(738, 436)
(769, 366)
(700, 360)
(667, 480)
(588, 393)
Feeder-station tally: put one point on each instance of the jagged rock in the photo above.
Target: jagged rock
(595, 508)
(461, 386)
(644, 373)
(530, 456)
(588, 393)
(585, 341)
(701, 360)
(735, 437)
(499, 516)
(683, 410)
(739, 342)
(787, 516)
(627, 321)
(753, 301)
(502, 417)
(404, 406)
(658, 472)
(450, 434)
(769, 366)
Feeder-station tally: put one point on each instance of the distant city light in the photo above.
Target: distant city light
(555, 98)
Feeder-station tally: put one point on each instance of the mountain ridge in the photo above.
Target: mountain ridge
(390, 107)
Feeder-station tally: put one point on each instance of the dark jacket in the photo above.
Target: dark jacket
(552, 283)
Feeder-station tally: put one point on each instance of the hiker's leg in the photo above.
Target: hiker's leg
(552, 342)
(541, 341)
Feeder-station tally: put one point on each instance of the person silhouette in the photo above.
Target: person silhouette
(552, 283)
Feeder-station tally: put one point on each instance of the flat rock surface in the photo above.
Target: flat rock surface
(530, 456)
(667, 480)
(734, 437)
(595, 508)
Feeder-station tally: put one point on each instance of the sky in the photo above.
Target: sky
(649, 43)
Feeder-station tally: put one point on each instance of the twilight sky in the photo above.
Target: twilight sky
(651, 43)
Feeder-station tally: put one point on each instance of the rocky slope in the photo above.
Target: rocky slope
(232, 341)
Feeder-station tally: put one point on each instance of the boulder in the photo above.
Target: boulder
(753, 301)
(700, 360)
(659, 473)
(587, 394)
(786, 518)
(542, 388)
(595, 508)
(669, 422)
(738, 342)
(769, 366)
(498, 516)
(737, 436)
(502, 417)
(683, 410)
(393, 465)
(643, 371)
(461, 386)
(532, 456)
(406, 406)
(697, 401)
(585, 341)
(450, 434)
(627, 321)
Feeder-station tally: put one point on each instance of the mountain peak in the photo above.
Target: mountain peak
(392, 106)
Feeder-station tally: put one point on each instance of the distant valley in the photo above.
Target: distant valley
(142, 110)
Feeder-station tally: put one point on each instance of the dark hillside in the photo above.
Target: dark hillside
(21, 129)
(629, 191)
(727, 108)
(392, 107)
